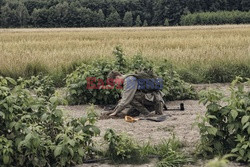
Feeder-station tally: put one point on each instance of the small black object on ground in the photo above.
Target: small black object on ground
(181, 108)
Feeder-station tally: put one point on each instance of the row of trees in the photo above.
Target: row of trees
(98, 13)
(65, 16)
(222, 17)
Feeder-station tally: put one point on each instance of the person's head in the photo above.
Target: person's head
(116, 77)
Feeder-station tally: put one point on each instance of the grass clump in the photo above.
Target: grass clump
(168, 152)
(219, 162)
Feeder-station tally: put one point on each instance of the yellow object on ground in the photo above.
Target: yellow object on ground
(131, 119)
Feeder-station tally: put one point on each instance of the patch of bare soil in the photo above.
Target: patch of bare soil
(177, 122)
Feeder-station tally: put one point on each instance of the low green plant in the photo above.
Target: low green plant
(76, 144)
(121, 148)
(35, 133)
(225, 128)
(174, 159)
(6, 151)
(219, 162)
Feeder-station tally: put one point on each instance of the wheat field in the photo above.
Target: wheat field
(183, 46)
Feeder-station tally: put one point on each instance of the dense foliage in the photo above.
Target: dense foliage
(77, 82)
(174, 87)
(99, 13)
(225, 128)
(42, 86)
(221, 17)
(34, 133)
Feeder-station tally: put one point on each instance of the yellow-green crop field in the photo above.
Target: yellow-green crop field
(183, 46)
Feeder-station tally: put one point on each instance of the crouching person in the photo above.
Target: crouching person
(137, 94)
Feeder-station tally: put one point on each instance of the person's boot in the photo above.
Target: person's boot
(159, 108)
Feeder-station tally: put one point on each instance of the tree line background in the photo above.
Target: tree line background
(113, 13)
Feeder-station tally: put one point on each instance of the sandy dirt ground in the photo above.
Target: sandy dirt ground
(178, 122)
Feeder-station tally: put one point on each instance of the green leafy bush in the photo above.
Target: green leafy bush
(122, 148)
(225, 128)
(76, 82)
(174, 87)
(34, 133)
(138, 63)
(42, 86)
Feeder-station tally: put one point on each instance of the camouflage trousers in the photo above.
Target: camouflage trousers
(142, 105)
